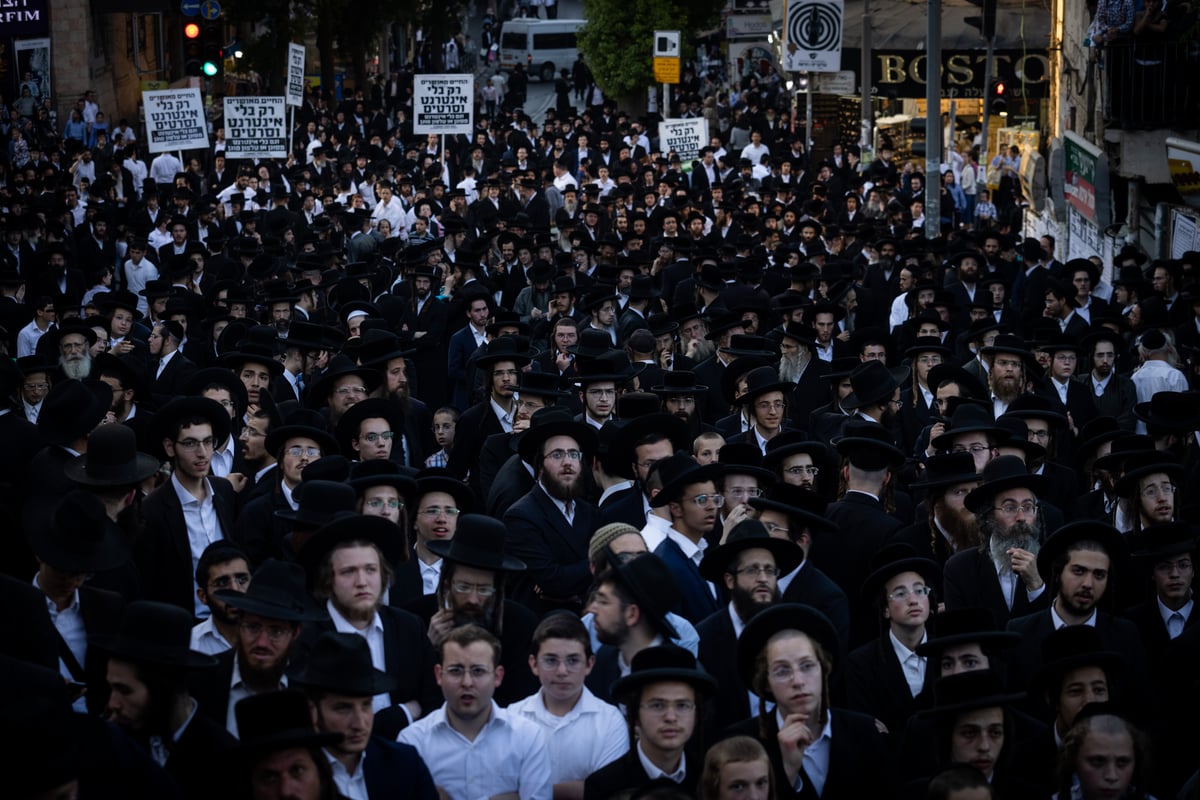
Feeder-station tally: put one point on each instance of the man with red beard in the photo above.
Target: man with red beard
(550, 527)
(950, 527)
(1008, 374)
(748, 565)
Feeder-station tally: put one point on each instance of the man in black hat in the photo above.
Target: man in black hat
(875, 395)
(437, 503)
(663, 695)
(1076, 669)
(1001, 574)
(748, 564)
(280, 753)
(950, 526)
(348, 563)
(191, 510)
(549, 528)
(471, 590)
(170, 368)
(1066, 395)
(1113, 394)
(471, 745)
(148, 668)
(340, 682)
(477, 305)
(1079, 561)
(1168, 553)
(535, 391)
(127, 392)
(271, 615)
(222, 565)
(68, 415)
(635, 446)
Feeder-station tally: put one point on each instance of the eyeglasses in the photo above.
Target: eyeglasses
(296, 451)
(744, 491)
(1011, 508)
(901, 594)
(974, 449)
(379, 502)
(1154, 492)
(704, 499)
(349, 390)
(526, 405)
(785, 672)
(251, 433)
(552, 663)
(192, 445)
(660, 707)
(1040, 435)
(459, 672)
(931, 361)
(481, 589)
(769, 405)
(225, 581)
(35, 387)
(601, 392)
(773, 529)
(754, 570)
(275, 633)
(373, 437)
(1169, 567)
(437, 511)
(569, 455)
(646, 465)
(505, 373)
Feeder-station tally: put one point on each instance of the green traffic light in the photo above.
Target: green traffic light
(210, 69)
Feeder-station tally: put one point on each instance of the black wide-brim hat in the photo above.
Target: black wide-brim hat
(669, 425)
(744, 458)
(960, 626)
(341, 367)
(1167, 540)
(749, 535)
(1176, 411)
(155, 633)
(790, 443)
(1139, 466)
(969, 691)
(968, 418)
(383, 472)
(79, 537)
(192, 408)
(320, 501)
(1086, 530)
(224, 378)
(537, 435)
(503, 348)
(1001, 474)
(801, 504)
(439, 480)
(895, 559)
(948, 469)
(380, 532)
(1069, 648)
(112, 459)
(665, 662)
(73, 409)
(761, 380)
(776, 619)
(679, 382)
(276, 592)
(272, 721)
(478, 542)
(252, 355)
(341, 663)
(679, 471)
(872, 382)
(369, 408)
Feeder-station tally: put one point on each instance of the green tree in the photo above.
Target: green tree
(617, 40)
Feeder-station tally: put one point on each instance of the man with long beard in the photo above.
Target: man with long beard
(74, 351)
(749, 565)
(1008, 372)
(1001, 574)
(950, 527)
(550, 527)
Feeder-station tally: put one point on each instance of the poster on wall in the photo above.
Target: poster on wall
(33, 68)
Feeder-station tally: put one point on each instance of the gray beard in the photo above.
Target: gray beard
(792, 367)
(1021, 535)
(77, 369)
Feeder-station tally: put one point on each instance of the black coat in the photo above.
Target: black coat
(628, 507)
(718, 656)
(812, 587)
(1153, 631)
(859, 762)
(175, 375)
(163, 553)
(970, 581)
(475, 425)
(555, 552)
(875, 684)
(622, 778)
(203, 744)
(395, 771)
(512, 482)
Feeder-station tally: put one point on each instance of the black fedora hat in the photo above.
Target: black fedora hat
(320, 502)
(803, 505)
(761, 380)
(252, 354)
(341, 663)
(1167, 540)
(1071, 647)
(155, 633)
(592, 343)
(1013, 345)
(948, 469)
(348, 426)
(380, 532)
(73, 409)
(602, 369)
(744, 345)
(928, 344)
(959, 626)
(225, 379)
(1032, 406)
(734, 371)
(749, 535)
(1175, 411)
(435, 479)
(894, 559)
(378, 347)
(383, 472)
(1073, 532)
(744, 458)
(968, 418)
(478, 542)
(302, 422)
(664, 662)
(679, 471)
(1094, 433)
(80, 537)
(679, 382)
(112, 459)
(868, 445)
(872, 382)
(122, 298)
(272, 721)
(999, 475)
(187, 408)
(549, 422)
(776, 619)
(503, 348)
(1124, 447)
(340, 366)
(540, 384)
(1141, 465)
(969, 691)
(652, 585)
(636, 429)
(276, 592)
(790, 443)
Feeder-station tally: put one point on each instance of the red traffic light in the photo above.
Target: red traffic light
(999, 88)
(191, 30)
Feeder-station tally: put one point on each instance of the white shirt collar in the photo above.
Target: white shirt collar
(1059, 622)
(654, 773)
(1185, 611)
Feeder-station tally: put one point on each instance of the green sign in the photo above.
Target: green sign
(1080, 183)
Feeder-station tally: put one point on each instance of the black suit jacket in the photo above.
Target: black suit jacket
(396, 772)
(512, 482)
(875, 684)
(628, 507)
(555, 552)
(163, 553)
(970, 581)
(170, 383)
(475, 425)
(1118, 635)
(812, 587)
(859, 762)
(718, 656)
(622, 778)
(1153, 631)
(203, 744)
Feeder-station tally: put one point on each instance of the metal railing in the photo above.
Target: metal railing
(1149, 85)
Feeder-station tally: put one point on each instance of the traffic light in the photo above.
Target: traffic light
(213, 48)
(997, 98)
(986, 23)
(191, 48)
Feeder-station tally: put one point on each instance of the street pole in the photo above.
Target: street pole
(866, 135)
(808, 114)
(933, 121)
(987, 88)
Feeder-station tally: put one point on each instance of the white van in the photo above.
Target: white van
(544, 46)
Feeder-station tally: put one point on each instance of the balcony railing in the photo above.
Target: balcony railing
(1152, 85)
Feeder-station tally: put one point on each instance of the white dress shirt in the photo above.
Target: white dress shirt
(373, 633)
(1059, 622)
(589, 736)
(239, 691)
(69, 624)
(207, 639)
(508, 755)
(353, 787)
(1175, 620)
(912, 664)
(203, 528)
(654, 773)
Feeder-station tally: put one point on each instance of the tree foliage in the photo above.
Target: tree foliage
(617, 41)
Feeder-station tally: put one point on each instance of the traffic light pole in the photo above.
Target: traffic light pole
(933, 121)
(987, 103)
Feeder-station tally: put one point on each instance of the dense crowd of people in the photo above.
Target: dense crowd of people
(549, 464)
